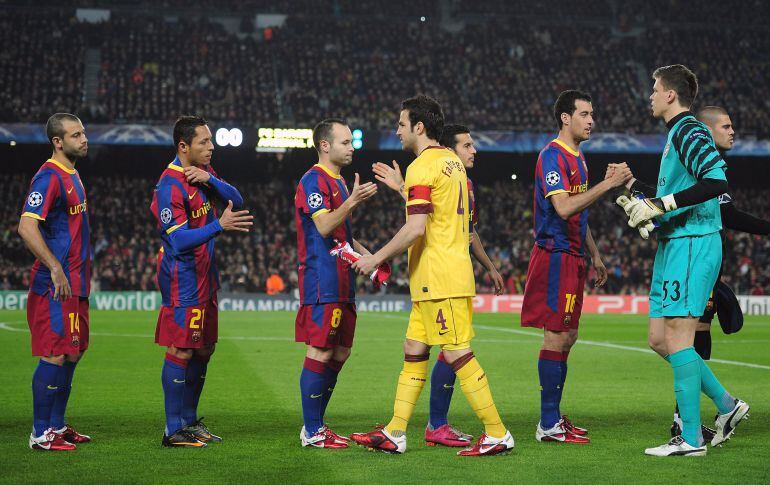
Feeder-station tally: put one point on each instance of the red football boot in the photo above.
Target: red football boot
(381, 440)
(486, 446)
(446, 436)
(50, 441)
(337, 437)
(323, 438)
(559, 434)
(69, 435)
(571, 428)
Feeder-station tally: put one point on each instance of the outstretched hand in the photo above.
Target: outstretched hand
(361, 192)
(390, 176)
(235, 220)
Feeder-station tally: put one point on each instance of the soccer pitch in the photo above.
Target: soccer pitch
(616, 388)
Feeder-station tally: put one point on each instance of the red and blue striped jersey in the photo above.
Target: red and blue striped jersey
(559, 169)
(323, 278)
(57, 199)
(190, 277)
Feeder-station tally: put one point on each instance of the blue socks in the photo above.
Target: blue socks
(195, 377)
(63, 394)
(564, 356)
(45, 386)
(687, 385)
(442, 381)
(313, 387)
(549, 368)
(331, 372)
(173, 379)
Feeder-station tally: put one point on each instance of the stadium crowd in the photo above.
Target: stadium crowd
(124, 253)
(493, 72)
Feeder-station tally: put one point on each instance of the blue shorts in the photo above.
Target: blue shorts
(684, 274)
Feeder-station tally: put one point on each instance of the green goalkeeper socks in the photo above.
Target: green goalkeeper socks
(687, 386)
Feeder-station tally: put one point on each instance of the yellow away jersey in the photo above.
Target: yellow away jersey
(439, 262)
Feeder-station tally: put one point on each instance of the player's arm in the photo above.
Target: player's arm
(225, 191)
(596, 259)
(391, 177)
(360, 248)
(404, 238)
(737, 220)
(183, 239)
(326, 221)
(481, 255)
(567, 205)
(30, 234)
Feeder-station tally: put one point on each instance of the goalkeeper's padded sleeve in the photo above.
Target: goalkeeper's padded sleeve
(226, 192)
(737, 220)
(183, 240)
(702, 191)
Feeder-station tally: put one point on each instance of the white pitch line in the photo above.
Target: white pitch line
(5, 326)
(616, 346)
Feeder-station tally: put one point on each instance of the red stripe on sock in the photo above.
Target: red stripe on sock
(552, 355)
(176, 360)
(314, 365)
(441, 357)
(416, 358)
(459, 363)
(335, 365)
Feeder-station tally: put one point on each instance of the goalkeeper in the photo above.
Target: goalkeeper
(689, 255)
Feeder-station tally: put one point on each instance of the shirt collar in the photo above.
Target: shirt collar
(176, 164)
(328, 172)
(566, 147)
(676, 119)
(61, 166)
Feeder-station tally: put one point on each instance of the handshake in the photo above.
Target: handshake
(640, 210)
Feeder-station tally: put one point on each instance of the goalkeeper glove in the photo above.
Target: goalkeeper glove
(345, 252)
(641, 210)
(646, 227)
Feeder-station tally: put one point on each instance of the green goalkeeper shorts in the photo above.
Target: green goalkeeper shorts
(684, 274)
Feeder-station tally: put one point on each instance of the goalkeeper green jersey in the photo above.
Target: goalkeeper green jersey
(690, 155)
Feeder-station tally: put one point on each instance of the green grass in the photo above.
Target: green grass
(251, 399)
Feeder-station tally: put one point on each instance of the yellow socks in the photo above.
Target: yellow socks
(473, 381)
(410, 384)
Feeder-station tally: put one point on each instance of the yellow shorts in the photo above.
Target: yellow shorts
(448, 322)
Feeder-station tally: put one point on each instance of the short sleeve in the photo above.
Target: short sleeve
(699, 153)
(418, 185)
(313, 195)
(44, 192)
(172, 213)
(554, 173)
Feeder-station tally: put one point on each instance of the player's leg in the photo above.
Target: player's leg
(550, 372)
(345, 335)
(568, 425)
(392, 437)
(76, 333)
(46, 323)
(439, 431)
(318, 326)
(204, 333)
(174, 332)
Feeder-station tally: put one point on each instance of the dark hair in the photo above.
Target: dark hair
(425, 109)
(680, 79)
(323, 131)
(565, 103)
(184, 128)
(449, 135)
(54, 127)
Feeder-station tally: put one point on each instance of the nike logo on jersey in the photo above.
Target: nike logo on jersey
(178, 381)
(193, 195)
(315, 396)
(573, 172)
(335, 194)
(444, 332)
(53, 388)
(69, 190)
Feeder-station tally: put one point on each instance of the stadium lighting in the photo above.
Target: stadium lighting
(357, 144)
(514, 176)
(358, 138)
(422, 19)
(13, 143)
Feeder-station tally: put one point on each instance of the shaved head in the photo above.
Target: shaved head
(710, 114)
(719, 123)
